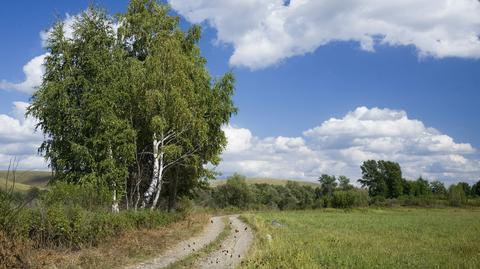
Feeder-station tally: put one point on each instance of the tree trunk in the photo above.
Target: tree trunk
(173, 186)
(160, 179)
(115, 207)
(155, 175)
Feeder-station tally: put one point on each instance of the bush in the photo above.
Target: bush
(350, 198)
(75, 227)
(234, 193)
(457, 196)
(88, 196)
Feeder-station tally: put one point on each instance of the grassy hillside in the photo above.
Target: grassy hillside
(272, 181)
(24, 180)
(390, 238)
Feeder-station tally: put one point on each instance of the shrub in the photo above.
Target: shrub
(88, 196)
(350, 198)
(456, 195)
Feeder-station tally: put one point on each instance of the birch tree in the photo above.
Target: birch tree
(182, 109)
(79, 106)
(115, 103)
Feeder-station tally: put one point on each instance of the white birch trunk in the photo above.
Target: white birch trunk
(115, 207)
(160, 178)
(156, 167)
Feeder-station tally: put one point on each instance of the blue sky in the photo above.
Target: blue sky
(305, 84)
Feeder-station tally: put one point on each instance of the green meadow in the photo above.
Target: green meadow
(366, 238)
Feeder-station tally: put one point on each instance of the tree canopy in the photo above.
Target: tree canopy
(126, 101)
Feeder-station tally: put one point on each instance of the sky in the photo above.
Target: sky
(321, 85)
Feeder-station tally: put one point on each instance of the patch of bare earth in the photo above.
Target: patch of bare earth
(232, 250)
(185, 248)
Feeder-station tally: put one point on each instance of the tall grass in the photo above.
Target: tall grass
(391, 238)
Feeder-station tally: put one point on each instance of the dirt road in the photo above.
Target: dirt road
(232, 250)
(229, 254)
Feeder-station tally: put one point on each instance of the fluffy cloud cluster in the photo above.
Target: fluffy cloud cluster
(33, 72)
(263, 32)
(19, 140)
(339, 146)
(34, 69)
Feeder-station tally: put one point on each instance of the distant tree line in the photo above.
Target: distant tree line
(382, 184)
(384, 180)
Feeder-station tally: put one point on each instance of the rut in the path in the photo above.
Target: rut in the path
(185, 248)
(232, 250)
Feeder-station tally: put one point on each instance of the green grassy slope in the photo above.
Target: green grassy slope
(24, 180)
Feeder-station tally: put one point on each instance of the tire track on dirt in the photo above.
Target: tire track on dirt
(185, 248)
(232, 250)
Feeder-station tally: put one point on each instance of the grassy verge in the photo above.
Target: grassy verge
(189, 261)
(366, 238)
(128, 248)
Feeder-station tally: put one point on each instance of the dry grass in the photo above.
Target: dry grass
(13, 253)
(127, 249)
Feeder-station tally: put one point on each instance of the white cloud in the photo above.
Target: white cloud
(339, 146)
(19, 140)
(68, 23)
(33, 72)
(264, 32)
(34, 69)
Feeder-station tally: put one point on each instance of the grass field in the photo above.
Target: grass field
(369, 238)
(272, 181)
(25, 180)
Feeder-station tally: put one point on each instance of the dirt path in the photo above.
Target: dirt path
(185, 248)
(232, 250)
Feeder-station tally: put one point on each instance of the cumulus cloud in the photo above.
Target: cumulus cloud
(339, 146)
(34, 69)
(264, 32)
(19, 140)
(33, 72)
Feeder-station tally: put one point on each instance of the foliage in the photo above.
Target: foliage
(456, 195)
(234, 193)
(476, 189)
(438, 188)
(328, 184)
(116, 100)
(382, 178)
(72, 216)
(350, 198)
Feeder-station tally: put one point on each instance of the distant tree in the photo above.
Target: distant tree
(476, 189)
(344, 183)
(408, 187)
(392, 175)
(466, 188)
(383, 178)
(438, 188)
(328, 184)
(456, 195)
(421, 187)
(235, 192)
